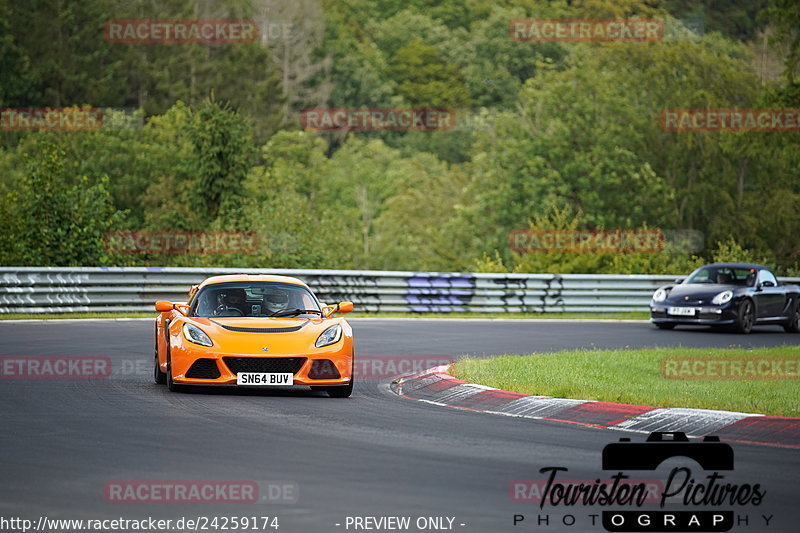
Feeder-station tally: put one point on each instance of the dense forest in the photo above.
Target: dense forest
(546, 135)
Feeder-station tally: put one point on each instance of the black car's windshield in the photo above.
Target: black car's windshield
(745, 277)
(254, 299)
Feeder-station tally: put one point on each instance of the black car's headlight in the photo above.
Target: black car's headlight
(329, 336)
(196, 335)
(660, 295)
(722, 298)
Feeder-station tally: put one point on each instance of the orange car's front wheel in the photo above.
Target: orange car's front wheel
(171, 385)
(158, 376)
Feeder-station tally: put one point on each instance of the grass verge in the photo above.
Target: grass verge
(596, 316)
(635, 376)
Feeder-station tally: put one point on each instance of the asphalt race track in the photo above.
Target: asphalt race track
(374, 454)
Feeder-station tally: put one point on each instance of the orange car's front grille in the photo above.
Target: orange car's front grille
(264, 364)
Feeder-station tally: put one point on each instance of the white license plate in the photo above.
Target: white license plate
(681, 311)
(263, 378)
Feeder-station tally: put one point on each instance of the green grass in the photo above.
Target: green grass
(635, 376)
(617, 316)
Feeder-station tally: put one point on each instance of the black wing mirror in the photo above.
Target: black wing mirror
(679, 280)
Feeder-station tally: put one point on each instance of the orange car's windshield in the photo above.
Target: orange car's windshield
(253, 299)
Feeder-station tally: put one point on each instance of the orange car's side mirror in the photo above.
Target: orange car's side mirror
(341, 307)
(163, 306)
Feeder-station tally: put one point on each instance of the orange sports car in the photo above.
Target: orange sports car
(254, 330)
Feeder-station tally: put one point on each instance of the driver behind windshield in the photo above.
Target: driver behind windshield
(275, 301)
(231, 302)
(724, 278)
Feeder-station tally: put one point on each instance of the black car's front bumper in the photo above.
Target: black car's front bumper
(704, 315)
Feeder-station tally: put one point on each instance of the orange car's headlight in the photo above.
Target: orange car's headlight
(196, 335)
(332, 335)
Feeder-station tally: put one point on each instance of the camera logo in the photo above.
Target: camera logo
(711, 454)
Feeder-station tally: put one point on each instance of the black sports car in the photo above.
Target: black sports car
(738, 295)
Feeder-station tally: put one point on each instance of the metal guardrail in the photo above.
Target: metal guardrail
(109, 289)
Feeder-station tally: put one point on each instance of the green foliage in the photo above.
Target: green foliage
(425, 80)
(548, 135)
(736, 19)
(730, 251)
(223, 153)
(672, 259)
(784, 18)
(283, 206)
(54, 219)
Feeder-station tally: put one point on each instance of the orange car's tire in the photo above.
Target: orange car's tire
(158, 376)
(171, 385)
(341, 391)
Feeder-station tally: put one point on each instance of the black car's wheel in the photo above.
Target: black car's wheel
(665, 326)
(341, 392)
(793, 326)
(746, 317)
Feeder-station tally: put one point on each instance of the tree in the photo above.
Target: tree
(425, 80)
(50, 219)
(223, 153)
(294, 32)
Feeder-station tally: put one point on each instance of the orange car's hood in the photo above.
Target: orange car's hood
(281, 336)
(259, 323)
